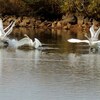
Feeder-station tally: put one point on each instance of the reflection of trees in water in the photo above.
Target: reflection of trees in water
(56, 37)
(19, 32)
(51, 33)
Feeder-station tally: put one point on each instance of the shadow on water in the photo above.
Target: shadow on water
(57, 71)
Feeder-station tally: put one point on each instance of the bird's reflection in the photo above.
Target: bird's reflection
(94, 50)
(1, 62)
(37, 54)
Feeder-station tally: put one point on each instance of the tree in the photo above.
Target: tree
(46, 9)
(12, 7)
(89, 8)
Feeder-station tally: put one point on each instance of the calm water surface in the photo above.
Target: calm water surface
(57, 71)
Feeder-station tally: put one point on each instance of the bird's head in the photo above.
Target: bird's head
(25, 35)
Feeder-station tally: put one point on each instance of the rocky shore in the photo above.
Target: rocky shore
(67, 22)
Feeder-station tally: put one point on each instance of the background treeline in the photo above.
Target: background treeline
(50, 9)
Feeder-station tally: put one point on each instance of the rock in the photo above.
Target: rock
(37, 23)
(42, 24)
(59, 25)
(53, 25)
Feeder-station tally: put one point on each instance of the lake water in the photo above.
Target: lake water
(57, 71)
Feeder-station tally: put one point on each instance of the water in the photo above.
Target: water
(57, 71)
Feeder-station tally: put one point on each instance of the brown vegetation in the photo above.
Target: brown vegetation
(61, 14)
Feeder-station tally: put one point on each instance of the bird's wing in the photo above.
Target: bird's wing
(0, 33)
(77, 41)
(98, 42)
(24, 41)
(97, 34)
(1, 24)
(1, 28)
(16, 44)
(9, 30)
(37, 43)
(92, 32)
(8, 26)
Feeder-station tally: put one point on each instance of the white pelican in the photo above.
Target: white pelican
(5, 31)
(92, 40)
(24, 42)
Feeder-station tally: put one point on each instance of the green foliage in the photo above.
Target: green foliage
(68, 6)
(94, 9)
(89, 8)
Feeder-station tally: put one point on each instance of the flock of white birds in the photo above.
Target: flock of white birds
(4, 40)
(93, 40)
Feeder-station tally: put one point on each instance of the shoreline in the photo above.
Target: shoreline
(64, 23)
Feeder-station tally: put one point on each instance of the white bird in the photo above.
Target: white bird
(5, 31)
(94, 34)
(92, 40)
(24, 42)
